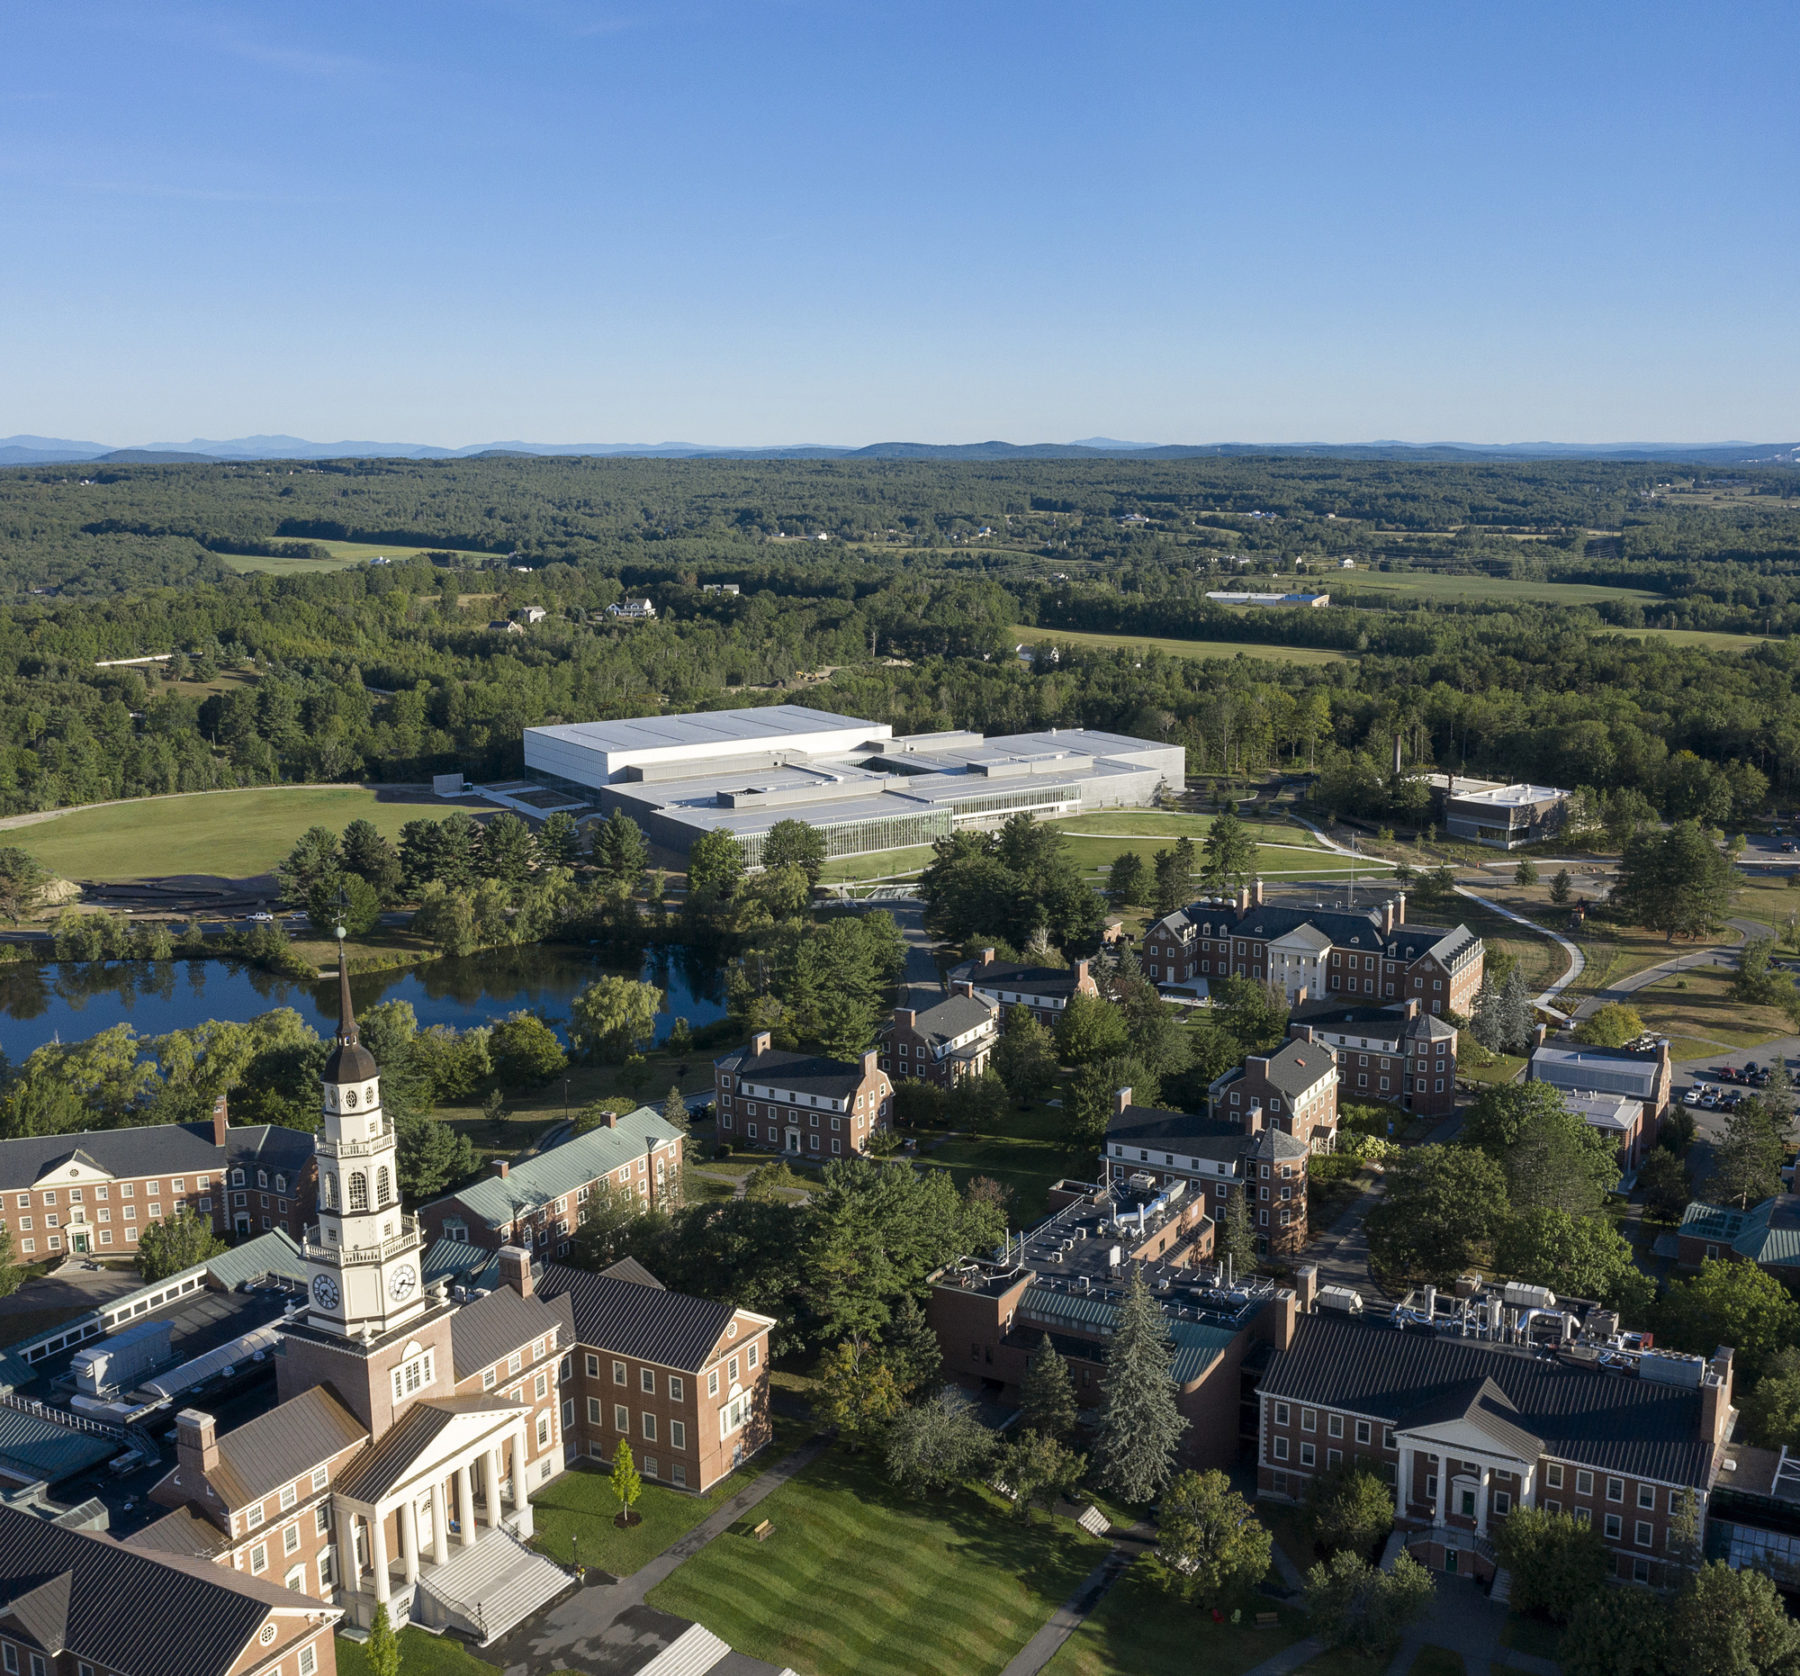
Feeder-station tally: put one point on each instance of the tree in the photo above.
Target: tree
(22, 881)
(793, 843)
(1770, 1409)
(381, 1652)
(311, 862)
(715, 868)
(1441, 1206)
(1487, 1022)
(1583, 1256)
(1089, 1029)
(366, 853)
(1525, 873)
(506, 851)
(1664, 1180)
(1556, 1561)
(1047, 1394)
(674, 1109)
(613, 1016)
(620, 850)
(1732, 1623)
(1349, 1507)
(178, 1242)
(1255, 1014)
(937, 1444)
(1092, 1093)
(910, 1348)
(1355, 1605)
(1207, 1539)
(1551, 1157)
(858, 1393)
(10, 1274)
(1140, 1426)
(346, 899)
(1174, 877)
(1237, 1239)
(1125, 881)
(1747, 1160)
(525, 1050)
(445, 918)
(1612, 1025)
(627, 1485)
(1616, 1632)
(1025, 1057)
(1518, 1016)
(1730, 1303)
(429, 1155)
(1678, 882)
(1038, 1469)
(1230, 853)
(559, 840)
(1562, 887)
(976, 1104)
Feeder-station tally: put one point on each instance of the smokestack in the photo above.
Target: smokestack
(221, 1121)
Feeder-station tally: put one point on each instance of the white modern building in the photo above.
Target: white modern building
(866, 789)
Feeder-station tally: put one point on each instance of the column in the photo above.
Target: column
(440, 1525)
(349, 1568)
(409, 1539)
(490, 1479)
(378, 1556)
(1481, 1502)
(465, 1506)
(521, 1501)
(1443, 1495)
(1403, 1476)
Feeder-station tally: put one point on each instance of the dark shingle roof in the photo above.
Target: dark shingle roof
(1199, 1137)
(1616, 1422)
(951, 1018)
(804, 1073)
(1298, 1065)
(1348, 928)
(497, 1325)
(149, 1149)
(276, 1448)
(122, 1608)
(1026, 980)
(1388, 1023)
(669, 1328)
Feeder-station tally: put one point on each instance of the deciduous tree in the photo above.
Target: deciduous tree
(1208, 1540)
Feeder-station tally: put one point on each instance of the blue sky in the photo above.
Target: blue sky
(833, 221)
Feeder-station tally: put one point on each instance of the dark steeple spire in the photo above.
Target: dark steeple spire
(350, 1061)
(346, 1031)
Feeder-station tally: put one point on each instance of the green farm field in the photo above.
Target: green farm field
(1713, 640)
(227, 834)
(1183, 648)
(343, 555)
(1360, 586)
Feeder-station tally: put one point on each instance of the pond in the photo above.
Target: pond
(69, 1001)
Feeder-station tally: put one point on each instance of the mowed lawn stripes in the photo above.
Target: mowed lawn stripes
(859, 1581)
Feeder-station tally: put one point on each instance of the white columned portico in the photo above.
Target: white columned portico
(1403, 1481)
(440, 1525)
(490, 1483)
(1443, 1488)
(378, 1557)
(1481, 1500)
(349, 1567)
(409, 1539)
(465, 1506)
(521, 1500)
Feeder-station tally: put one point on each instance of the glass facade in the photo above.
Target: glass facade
(1005, 802)
(882, 832)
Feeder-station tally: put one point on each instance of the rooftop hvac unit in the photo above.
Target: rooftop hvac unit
(1521, 1296)
(1344, 1299)
(1667, 1368)
(1114, 1258)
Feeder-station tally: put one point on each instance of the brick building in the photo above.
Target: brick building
(1400, 1053)
(683, 1380)
(540, 1203)
(1467, 1430)
(1641, 1071)
(938, 1044)
(801, 1103)
(1046, 990)
(94, 1192)
(1342, 954)
(1766, 1234)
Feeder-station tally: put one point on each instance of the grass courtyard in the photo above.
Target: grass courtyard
(228, 834)
(856, 1581)
(420, 1655)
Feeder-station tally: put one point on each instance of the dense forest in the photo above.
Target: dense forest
(905, 613)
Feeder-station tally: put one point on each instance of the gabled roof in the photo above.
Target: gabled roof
(953, 1017)
(672, 1329)
(1610, 1420)
(386, 1461)
(1479, 1403)
(498, 1200)
(1386, 1023)
(458, 1261)
(484, 1331)
(130, 1610)
(803, 1073)
(277, 1447)
(1297, 1066)
(1172, 1131)
(1767, 1234)
(629, 1268)
(181, 1532)
(1346, 928)
(1013, 975)
(148, 1149)
(274, 1253)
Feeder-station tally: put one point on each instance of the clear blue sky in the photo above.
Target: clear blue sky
(849, 221)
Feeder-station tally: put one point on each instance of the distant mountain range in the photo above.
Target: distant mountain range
(45, 450)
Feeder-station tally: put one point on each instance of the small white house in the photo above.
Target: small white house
(534, 613)
(633, 611)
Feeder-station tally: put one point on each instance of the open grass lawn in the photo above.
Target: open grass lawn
(1138, 1630)
(230, 834)
(1365, 586)
(1268, 652)
(1716, 640)
(1026, 1154)
(856, 1581)
(1293, 860)
(343, 554)
(1540, 959)
(1704, 1010)
(878, 864)
(420, 1655)
(581, 1505)
(1170, 824)
(1504, 1068)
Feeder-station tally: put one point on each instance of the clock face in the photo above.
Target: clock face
(325, 1291)
(402, 1283)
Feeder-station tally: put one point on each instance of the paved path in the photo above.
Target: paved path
(577, 1633)
(1341, 1254)
(1289, 1658)
(1577, 960)
(1067, 1618)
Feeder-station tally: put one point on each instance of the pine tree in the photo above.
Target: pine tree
(1049, 1394)
(381, 1653)
(1516, 1012)
(1236, 1238)
(1488, 1023)
(674, 1109)
(1140, 1426)
(1562, 887)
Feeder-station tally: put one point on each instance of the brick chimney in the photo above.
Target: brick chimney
(196, 1442)
(963, 986)
(870, 1059)
(1300, 1033)
(1538, 1035)
(1410, 1007)
(1081, 972)
(1715, 1398)
(987, 957)
(221, 1121)
(515, 1269)
(1121, 1099)
(1389, 911)
(650, 1169)
(1256, 895)
(905, 1018)
(1253, 1121)
(1400, 909)
(1306, 1287)
(1243, 899)
(1278, 1319)
(501, 1167)
(759, 1043)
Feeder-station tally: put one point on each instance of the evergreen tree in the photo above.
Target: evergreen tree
(1125, 882)
(1526, 872)
(1237, 1239)
(381, 1653)
(429, 1155)
(911, 1350)
(674, 1109)
(559, 840)
(1677, 881)
(1488, 1022)
(1518, 1015)
(1747, 1160)
(619, 849)
(1025, 1057)
(1048, 1394)
(1230, 853)
(1562, 887)
(371, 857)
(1140, 1426)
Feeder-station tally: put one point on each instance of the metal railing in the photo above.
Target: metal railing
(348, 1256)
(358, 1149)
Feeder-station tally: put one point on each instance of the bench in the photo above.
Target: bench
(1267, 1620)
(762, 1530)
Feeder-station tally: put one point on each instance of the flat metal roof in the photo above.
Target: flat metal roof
(704, 727)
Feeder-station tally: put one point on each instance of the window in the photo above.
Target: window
(1502, 1501)
(678, 1390)
(412, 1376)
(593, 1367)
(9, 1654)
(1646, 1497)
(618, 1373)
(1281, 1414)
(320, 1477)
(649, 1427)
(1308, 1455)
(678, 1475)
(540, 1387)
(259, 1559)
(1363, 1432)
(647, 1381)
(254, 1517)
(1614, 1527)
(731, 1370)
(1334, 1425)
(593, 1411)
(290, 1493)
(309, 1660)
(290, 1539)
(1553, 1475)
(649, 1466)
(1281, 1448)
(677, 1434)
(543, 1431)
(321, 1519)
(621, 1418)
(1333, 1457)
(490, 1377)
(514, 1362)
(1640, 1571)
(1584, 1483)
(1645, 1533)
(1309, 1419)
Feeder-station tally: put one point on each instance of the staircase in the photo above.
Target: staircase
(485, 1590)
(1501, 1592)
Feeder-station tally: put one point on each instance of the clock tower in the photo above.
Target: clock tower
(362, 1258)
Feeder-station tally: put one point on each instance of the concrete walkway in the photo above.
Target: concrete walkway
(1067, 1618)
(1289, 1658)
(1577, 960)
(578, 1632)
